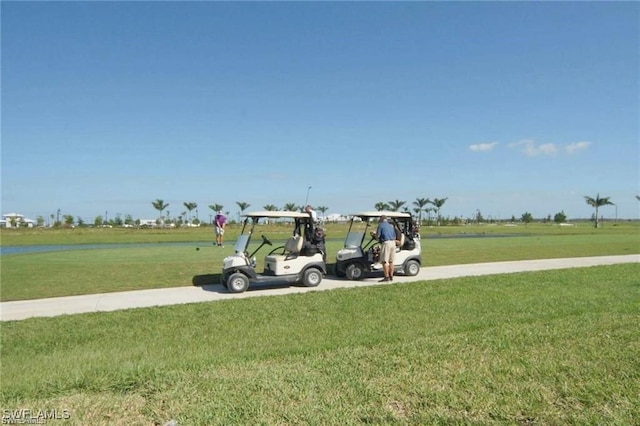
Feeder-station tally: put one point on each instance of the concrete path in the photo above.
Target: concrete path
(18, 310)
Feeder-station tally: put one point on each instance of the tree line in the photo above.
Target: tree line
(185, 217)
(421, 205)
(417, 207)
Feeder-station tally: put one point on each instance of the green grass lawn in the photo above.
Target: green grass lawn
(52, 236)
(548, 348)
(135, 267)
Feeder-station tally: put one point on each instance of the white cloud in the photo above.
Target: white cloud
(572, 148)
(479, 147)
(548, 149)
(529, 148)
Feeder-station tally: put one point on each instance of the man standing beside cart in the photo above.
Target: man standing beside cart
(386, 235)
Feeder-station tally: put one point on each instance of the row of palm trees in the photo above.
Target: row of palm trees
(160, 205)
(395, 205)
(420, 206)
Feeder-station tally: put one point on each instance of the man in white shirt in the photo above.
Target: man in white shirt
(312, 213)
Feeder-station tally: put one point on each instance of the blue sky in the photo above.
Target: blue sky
(502, 107)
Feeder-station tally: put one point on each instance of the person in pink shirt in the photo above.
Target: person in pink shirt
(220, 221)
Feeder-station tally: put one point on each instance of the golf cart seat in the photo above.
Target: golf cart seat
(402, 240)
(291, 249)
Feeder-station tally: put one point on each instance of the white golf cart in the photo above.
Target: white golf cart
(359, 257)
(300, 260)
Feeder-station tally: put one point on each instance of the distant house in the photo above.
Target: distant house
(15, 220)
(336, 217)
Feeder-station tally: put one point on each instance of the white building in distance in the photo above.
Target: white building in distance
(15, 220)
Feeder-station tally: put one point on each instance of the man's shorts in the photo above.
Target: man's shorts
(219, 231)
(388, 252)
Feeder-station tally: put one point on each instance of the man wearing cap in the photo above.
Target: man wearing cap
(386, 235)
(220, 221)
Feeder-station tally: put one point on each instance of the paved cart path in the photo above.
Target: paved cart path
(18, 310)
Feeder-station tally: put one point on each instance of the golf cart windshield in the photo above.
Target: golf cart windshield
(354, 239)
(357, 232)
(241, 243)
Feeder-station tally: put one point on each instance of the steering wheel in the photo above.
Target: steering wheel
(371, 240)
(266, 241)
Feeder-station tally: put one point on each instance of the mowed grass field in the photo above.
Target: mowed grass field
(549, 348)
(143, 259)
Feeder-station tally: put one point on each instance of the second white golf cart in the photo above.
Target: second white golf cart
(300, 260)
(359, 257)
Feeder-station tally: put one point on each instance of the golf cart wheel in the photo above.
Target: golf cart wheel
(237, 283)
(354, 272)
(312, 277)
(412, 268)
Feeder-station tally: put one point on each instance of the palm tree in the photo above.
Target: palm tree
(438, 203)
(242, 206)
(159, 205)
(428, 211)
(269, 208)
(420, 203)
(323, 210)
(396, 205)
(290, 207)
(597, 202)
(380, 206)
(216, 208)
(190, 206)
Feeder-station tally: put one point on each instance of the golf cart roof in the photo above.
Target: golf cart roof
(277, 214)
(380, 213)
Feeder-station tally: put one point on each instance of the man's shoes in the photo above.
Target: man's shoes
(390, 278)
(385, 279)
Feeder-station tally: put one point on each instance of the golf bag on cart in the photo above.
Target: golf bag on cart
(314, 241)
